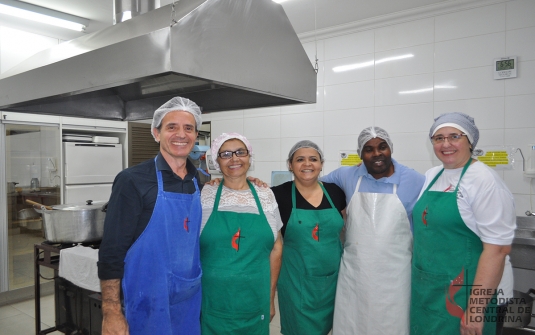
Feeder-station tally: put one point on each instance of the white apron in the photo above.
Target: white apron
(374, 282)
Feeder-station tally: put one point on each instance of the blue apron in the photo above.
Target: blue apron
(162, 275)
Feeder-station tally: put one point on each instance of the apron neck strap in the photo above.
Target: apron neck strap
(294, 205)
(440, 173)
(462, 173)
(253, 191)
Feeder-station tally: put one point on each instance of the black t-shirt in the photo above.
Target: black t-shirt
(132, 201)
(283, 194)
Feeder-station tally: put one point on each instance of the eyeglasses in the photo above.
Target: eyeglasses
(238, 153)
(452, 138)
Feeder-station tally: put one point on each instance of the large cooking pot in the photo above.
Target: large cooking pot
(73, 223)
(519, 309)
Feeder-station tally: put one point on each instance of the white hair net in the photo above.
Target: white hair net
(176, 104)
(370, 133)
(218, 143)
(304, 144)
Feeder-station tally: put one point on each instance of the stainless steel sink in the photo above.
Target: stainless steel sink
(523, 248)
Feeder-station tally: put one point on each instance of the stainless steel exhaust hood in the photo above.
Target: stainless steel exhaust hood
(222, 54)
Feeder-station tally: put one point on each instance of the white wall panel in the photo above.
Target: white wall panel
(225, 126)
(404, 118)
(404, 90)
(487, 112)
(524, 83)
(262, 127)
(412, 60)
(520, 111)
(334, 144)
(472, 22)
(521, 42)
(410, 146)
(405, 34)
(466, 84)
(260, 112)
(349, 45)
(491, 137)
(519, 14)
(301, 125)
(469, 52)
(266, 150)
(347, 121)
(357, 68)
(347, 96)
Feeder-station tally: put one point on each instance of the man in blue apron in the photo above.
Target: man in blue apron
(150, 248)
(373, 291)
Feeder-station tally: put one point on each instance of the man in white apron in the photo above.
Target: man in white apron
(373, 291)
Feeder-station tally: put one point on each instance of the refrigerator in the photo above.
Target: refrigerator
(89, 170)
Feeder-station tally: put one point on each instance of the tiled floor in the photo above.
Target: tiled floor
(18, 319)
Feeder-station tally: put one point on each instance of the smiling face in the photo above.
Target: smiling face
(235, 167)
(376, 156)
(177, 135)
(452, 155)
(306, 165)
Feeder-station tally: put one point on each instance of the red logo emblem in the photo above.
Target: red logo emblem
(424, 214)
(453, 308)
(236, 240)
(315, 232)
(186, 227)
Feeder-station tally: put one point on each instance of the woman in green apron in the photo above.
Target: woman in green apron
(240, 246)
(464, 224)
(311, 213)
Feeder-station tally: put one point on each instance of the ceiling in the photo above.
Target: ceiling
(301, 13)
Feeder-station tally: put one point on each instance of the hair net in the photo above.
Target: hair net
(218, 143)
(176, 104)
(461, 121)
(372, 132)
(304, 144)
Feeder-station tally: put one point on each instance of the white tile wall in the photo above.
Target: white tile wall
(405, 61)
(357, 68)
(520, 111)
(487, 112)
(347, 122)
(525, 82)
(404, 118)
(405, 34)
(349, 45)
(346, 96)
(519, 14)
(469, 83)
(472, 22)
(521, 42)
(404, 90)
(469, 52)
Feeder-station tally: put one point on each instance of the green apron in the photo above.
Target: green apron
(235, 250)
(310, 262)
(444, 264)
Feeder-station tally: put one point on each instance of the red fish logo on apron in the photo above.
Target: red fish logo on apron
(315, 232)
(424, 216)
(236, 240)
(453, 308)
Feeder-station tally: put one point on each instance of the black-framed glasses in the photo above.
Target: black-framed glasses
(238, 153)
(452, 138)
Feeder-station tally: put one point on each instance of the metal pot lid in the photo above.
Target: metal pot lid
(89, 205)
